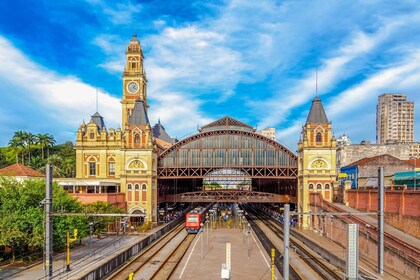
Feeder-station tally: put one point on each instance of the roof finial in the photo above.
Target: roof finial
(159, 120)
(316, 83)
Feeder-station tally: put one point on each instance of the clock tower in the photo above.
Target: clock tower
(134, 79)
(316, 159)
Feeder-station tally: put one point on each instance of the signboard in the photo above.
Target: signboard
(352, 251)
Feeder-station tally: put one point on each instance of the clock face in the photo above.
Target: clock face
(133, 87)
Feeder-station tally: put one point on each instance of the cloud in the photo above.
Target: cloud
(117, 13)
(179, 115)
(58, 101)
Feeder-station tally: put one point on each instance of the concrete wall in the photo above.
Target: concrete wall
(335, 229)
(117, 199)
(354, 152)
(402, 209)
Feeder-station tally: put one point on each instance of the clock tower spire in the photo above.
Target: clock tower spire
(134, 79)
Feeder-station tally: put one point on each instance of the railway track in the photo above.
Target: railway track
(408, 251)
(320, 266)
(160, 259)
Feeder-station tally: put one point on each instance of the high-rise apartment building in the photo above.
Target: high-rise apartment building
(394, 119)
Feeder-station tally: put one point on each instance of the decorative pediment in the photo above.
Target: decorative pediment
(137, 165)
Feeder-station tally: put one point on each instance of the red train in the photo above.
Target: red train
(194, 218)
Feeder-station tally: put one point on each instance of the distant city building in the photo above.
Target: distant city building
(394, 119)
(269, 132)
(415, 150)
(347, 154)
(364, 173)
(343, 140)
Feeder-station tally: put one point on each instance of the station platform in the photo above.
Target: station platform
(205, 257)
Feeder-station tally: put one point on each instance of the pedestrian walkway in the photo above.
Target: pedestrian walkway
(207, 253)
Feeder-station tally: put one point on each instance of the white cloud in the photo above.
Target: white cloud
(179, 115)
(62, 101)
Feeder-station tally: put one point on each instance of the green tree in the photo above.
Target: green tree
(56, 161)
(37, 163)
(17, 144)
(29, 139)
(101, 223)
(21, 218)
(45, 141)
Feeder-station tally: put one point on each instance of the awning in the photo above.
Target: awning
(342, 175)
(86, 183)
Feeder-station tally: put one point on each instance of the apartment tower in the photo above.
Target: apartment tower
(394, 119)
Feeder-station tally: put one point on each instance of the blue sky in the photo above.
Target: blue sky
(252, 60)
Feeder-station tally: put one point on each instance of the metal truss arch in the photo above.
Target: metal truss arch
(241, 149)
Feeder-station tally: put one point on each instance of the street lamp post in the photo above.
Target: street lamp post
(90, 238)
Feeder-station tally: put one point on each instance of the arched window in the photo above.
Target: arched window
(92, 167)
(311, 186)
(133, 65)
(91, 135)
(318, 137)
(111, 167)
(318, 186)
(136, 187)
(143, 187)
(327, 186)
(137, 139)
(129, 187)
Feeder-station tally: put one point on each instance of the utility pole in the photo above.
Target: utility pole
(48, 223)
(381, 196)
(286, 242)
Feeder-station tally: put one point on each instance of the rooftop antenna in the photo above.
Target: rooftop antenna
(316, 83)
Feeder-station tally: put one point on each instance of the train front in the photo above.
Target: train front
(192, 222)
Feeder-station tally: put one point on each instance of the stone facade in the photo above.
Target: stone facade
(316, 159)
(122, 160)
(347, 154)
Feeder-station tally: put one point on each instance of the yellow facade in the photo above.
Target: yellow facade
(316, 164)
(123, 158)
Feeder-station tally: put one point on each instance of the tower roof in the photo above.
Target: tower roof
(98, 120)
(134, 39)
(317, 113)
(139, 114)
(160, 132)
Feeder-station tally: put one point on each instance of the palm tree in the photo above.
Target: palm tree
(16, 144)
(37, 163)
(56, 162)
(68, 167)
(18, 141)
(29, 139)
(45, 141)
(49, 143)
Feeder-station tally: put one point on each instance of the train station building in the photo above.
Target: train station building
(138, 164)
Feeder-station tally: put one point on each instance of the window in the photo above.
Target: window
(92, 135)
(137, 139)
(327, 186)
(129, 187)
(143, 187)
(311, 186)
(133, 65)
(136, 187)
(318, 137)
(111, 168)
(92, 168)
(318, 186)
